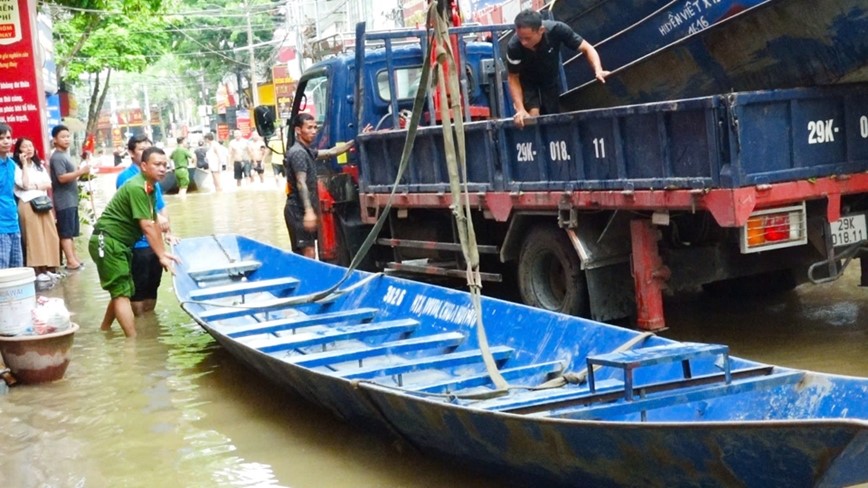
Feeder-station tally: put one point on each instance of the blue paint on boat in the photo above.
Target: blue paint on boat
(774, 44)
(626, 38)
(402, 357)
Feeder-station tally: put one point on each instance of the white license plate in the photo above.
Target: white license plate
(849, 229)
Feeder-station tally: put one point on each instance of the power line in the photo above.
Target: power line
(212, 13)
(182, 54)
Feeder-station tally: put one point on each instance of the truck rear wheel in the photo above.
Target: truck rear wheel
(549, 273)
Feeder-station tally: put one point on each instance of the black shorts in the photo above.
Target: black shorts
(238, 169)
(544, 97)
(299, 238)
(258, 167)
(147, 274)
(279, 169)
(68, 225)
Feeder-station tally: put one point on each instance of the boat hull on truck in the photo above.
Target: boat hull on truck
(626, 37)
(778, 44)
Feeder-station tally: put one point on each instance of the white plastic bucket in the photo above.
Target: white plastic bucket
(17, 300)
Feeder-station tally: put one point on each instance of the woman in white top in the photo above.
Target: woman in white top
(38, 230)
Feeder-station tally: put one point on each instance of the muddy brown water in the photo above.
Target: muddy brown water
(173, 409)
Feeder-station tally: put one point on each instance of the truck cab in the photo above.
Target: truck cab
(328, 90)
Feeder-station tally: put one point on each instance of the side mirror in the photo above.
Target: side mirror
(263, 115)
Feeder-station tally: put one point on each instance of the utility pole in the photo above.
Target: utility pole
(254, 86)
(146, 111)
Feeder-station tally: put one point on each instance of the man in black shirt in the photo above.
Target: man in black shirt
(532, 57)
(302, 200)
(201, 152)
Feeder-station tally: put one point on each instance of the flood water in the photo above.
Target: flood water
(171, 408)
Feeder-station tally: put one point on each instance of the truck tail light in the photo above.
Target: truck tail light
(774, 228)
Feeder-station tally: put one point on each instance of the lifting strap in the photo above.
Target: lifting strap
(456, 163)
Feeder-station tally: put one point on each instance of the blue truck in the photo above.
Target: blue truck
(601, 211)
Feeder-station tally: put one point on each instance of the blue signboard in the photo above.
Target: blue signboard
(53, 117)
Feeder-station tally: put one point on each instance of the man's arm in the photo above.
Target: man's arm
(309, 220)
(594, 61)
(162, 210)
(335, 151)
(155, 239)
(70, 176)
(517, 93)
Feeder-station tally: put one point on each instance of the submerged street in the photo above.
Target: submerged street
(172, 408)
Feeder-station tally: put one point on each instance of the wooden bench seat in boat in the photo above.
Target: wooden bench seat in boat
(648, 356)
(357, 315)
(236, 269)
(500, 353)
(244, 288)
(445, 340)
(473, 381)
(285, 343)
(535, 398)
(676, 397)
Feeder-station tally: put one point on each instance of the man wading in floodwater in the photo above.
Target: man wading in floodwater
(130, 214)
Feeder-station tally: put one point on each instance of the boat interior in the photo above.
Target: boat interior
(421, 340)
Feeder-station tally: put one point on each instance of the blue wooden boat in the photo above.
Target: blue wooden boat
(773, 44)
(589, 404)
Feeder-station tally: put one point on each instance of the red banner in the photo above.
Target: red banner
(222, 132)
(22, 101)
(242, 121)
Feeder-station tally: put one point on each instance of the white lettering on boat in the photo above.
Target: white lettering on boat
(443, 310)
(394, 295)
(689, 14)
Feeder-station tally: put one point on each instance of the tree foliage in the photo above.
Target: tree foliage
(97, 37)
(214, 36)
(79, 19)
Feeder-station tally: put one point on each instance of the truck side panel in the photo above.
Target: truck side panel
(724, 141)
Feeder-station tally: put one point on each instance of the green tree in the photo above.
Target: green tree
(213, 36)
(86, 15)
(93, 38)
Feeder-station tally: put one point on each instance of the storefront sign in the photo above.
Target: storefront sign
(284, 87)
(22, 103)
(242, 119)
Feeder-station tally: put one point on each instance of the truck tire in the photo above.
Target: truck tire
(549, 273)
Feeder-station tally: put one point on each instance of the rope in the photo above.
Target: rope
(582, 376)
(413, 126)
(456, 163)
(415, 117)
(456, 160)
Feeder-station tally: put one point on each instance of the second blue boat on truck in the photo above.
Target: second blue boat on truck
(720, 178)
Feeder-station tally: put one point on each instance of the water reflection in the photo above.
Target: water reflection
(174, 409)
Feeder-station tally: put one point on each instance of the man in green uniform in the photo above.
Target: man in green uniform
(130, 214)
(182, 158)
